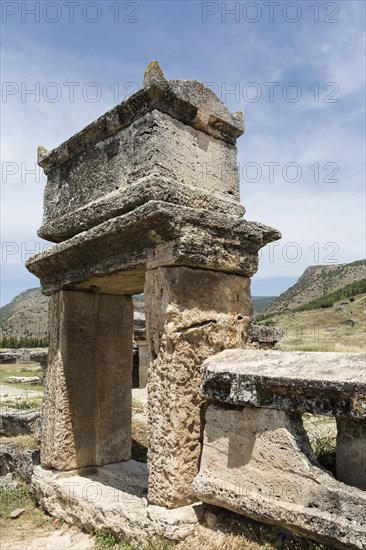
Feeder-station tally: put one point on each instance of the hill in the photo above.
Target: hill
(315, 282)
(26, 316)
(340, 327)
(262, 302)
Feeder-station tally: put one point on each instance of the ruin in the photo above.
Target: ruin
(145, 199)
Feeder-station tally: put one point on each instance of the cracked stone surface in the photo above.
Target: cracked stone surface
(190, 315)
(176, 133)
(320, 383)
(112, 497)
(258, 462)
(113, 257)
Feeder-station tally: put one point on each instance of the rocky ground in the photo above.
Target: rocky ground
(32, 529)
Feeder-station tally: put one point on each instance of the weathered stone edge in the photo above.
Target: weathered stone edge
(157, 234)
(116, 204)
(284, 393)
(143, 101)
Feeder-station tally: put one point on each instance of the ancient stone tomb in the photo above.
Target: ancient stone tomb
(145, 199)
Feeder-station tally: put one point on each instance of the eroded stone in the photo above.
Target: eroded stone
(86, 415)
(113, 257)
(113, 498)
(320, 383)
(190, 315)
(258, 462)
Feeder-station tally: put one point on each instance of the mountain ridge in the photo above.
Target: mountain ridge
(315, 282)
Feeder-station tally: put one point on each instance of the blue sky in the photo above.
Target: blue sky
(296, 69)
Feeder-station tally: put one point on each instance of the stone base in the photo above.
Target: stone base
(112, 497)
(258, 462)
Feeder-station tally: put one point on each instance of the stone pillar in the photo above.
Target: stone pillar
(143, 363)
(351, 451)
(87, 402)
(190, 315)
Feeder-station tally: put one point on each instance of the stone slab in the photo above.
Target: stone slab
(258, 462)
(320, 383)
(156, 158)
(189, 102)
(112, 498)
(86, 412)
(113, 257)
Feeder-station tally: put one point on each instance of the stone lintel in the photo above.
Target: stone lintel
(332, 384)
(187, 101)
(113, 257)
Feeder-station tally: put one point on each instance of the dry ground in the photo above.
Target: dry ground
(35, 530)
(340, 328)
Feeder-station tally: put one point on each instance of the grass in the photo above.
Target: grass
(322, 433)
(23, 404)
(21, 369)
(22, 441)
(33, 523)
(324, 329)
(234, 532)
(10, 499)
(231, 532)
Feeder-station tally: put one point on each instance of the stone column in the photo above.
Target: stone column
(190, 315)
(87, 402)
(351, 451)
(143, 363)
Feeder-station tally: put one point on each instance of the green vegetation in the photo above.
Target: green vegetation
(328, 300)
(13, 342)
(347, 292)
(24, 370)
(337, 328)
(324, 446)
(11, 499)
(316, 282)
(24, 404)
(261, 302)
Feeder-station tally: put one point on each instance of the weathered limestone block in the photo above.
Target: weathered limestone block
(332, 384)
(190, 315)
(87, 403)
(258, 462)
(14, 422)
(113, 257)
(140, 163)
(143, 362)
(112, 498)
(351, 452)
(172, 141)
(262, 337)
